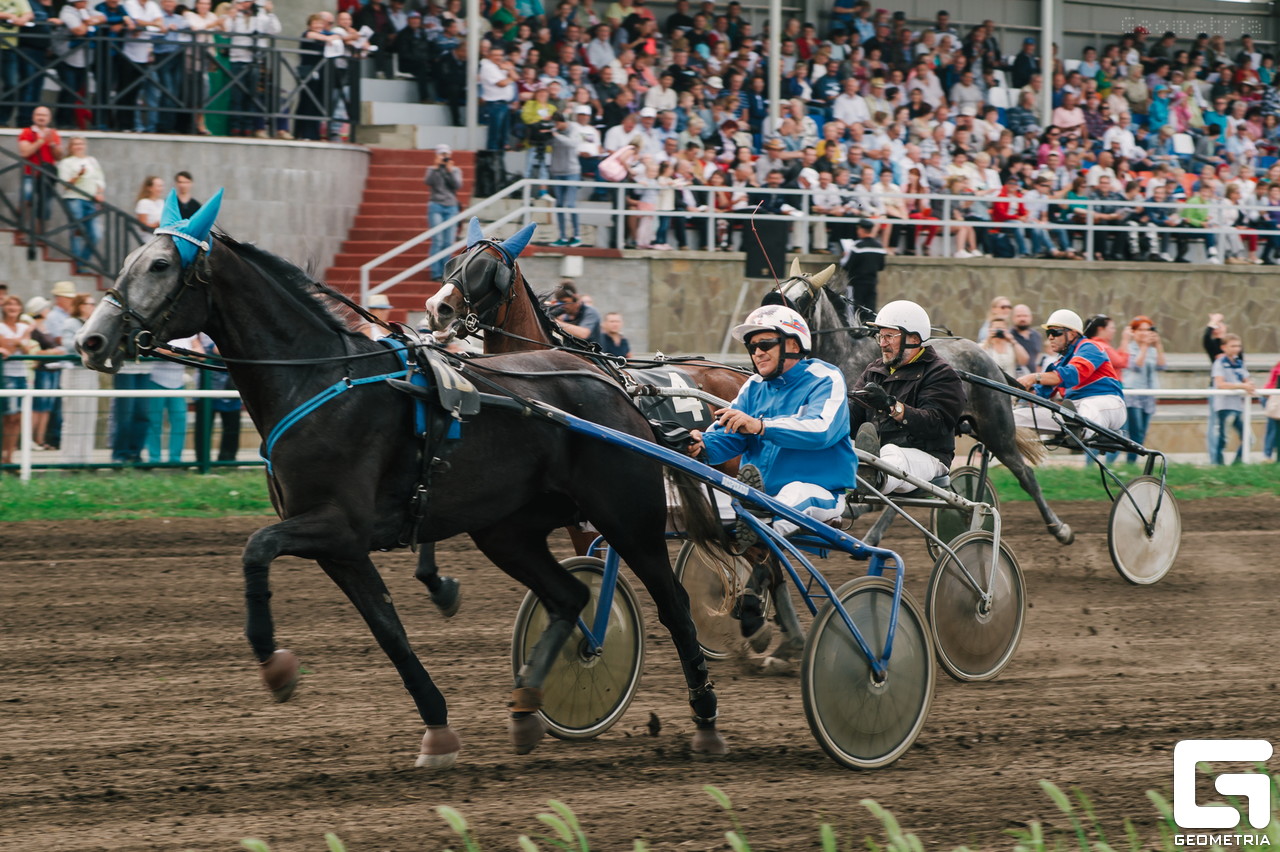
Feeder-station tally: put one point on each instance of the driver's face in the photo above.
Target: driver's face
(771, 347)
(1059, 343)
(890, 344)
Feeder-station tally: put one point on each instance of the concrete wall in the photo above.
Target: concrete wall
(682, 302)
(297, 199)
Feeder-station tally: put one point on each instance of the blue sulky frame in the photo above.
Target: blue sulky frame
(820, 539)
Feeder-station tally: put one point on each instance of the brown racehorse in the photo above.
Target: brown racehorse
(484, 289)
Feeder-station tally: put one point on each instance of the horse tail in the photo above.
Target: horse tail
(701, 524)
(1029, 445)
(1027, 440)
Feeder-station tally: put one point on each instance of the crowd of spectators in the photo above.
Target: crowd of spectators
(882, 115)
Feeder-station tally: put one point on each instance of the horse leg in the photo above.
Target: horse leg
(646, 556)
(360, 581)
(445, 592)
(1026, 477)
(782, 660)
(302, 536)
(520, 549)
(880, 527)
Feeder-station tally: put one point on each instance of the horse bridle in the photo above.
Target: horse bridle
(144, 338)
(472, 320)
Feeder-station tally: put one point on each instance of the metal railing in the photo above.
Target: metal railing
(266, 83)
(27, 463)
(97, 236)
(944, 207)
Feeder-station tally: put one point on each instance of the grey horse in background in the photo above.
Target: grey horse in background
(819, 300)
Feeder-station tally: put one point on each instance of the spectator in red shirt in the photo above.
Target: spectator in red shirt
(1010, 211)
(41, 145)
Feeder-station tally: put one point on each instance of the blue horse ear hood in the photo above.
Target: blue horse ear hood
(518, 241)
(475, 233)
(189, 235)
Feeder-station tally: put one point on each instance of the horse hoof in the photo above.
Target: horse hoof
(440, 747)
(280, 674)
(527, 730)
(707, 742)
(449, 598)
(777, 666)
(1064, 534)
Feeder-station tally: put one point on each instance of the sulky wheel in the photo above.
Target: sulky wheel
(1140, 558)
(860, 723)
(976, 638)
(711, 599)
(585, 694)
(946, 523)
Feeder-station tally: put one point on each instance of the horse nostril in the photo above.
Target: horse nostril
(443, 310)
(93, 342)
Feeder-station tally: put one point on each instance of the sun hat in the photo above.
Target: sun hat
(378, 302)
(37, 305)
(64, 288)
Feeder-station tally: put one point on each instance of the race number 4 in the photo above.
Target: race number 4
(1255, 788)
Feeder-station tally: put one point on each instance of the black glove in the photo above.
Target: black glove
(877, 398)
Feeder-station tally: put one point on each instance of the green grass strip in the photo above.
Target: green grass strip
(108, 495)
(112, 495)
(1188, 481)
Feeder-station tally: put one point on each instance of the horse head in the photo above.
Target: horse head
(153, 298)
(476, 283)
(801, 290)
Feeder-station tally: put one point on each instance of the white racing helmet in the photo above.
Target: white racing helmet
(777, 318)
(907, 317)
(1063, 318)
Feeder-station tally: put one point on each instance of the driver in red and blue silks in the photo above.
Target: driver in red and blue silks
(1083, 374)
(790, 421)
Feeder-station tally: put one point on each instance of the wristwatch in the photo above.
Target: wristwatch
(898, 410)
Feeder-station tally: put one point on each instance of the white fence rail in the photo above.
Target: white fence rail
(705, 221)
(27, 464)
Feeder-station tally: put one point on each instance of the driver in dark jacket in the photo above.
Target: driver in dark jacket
(910, 400)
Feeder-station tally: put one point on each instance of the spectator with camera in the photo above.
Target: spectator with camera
(566, 141)
(444, 179)
(999, 344)
(537, 117)
(574, 316)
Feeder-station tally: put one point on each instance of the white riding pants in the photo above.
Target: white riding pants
(812, 500)
(918, 463)
(1108, 411)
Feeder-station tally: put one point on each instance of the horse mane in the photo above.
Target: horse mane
(321, 301)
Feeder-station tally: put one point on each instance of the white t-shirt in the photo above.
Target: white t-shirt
(490, 90)
(138, 47)
(73, 18)
(14, 368)
(150, 209)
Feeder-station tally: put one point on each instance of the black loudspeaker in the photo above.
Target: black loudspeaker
(491, 173)
(773, 237)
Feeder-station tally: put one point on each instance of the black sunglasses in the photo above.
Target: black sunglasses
(1055, 332)
(762, 346)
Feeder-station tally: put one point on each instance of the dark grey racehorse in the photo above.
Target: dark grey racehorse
(342, 477)
(990, 412)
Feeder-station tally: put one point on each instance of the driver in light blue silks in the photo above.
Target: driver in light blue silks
(189, 235)
(789, 422)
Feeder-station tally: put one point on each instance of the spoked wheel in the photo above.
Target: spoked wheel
(948, 523)
(1143, 558)
(712, 597)
(860, 723)
(584, 694)
(976, 637)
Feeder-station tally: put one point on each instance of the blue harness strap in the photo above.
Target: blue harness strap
(340, 387)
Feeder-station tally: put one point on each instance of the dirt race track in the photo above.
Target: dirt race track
(131, 715)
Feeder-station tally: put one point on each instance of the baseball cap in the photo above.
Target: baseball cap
(1028, 40)
(414, 14)
(378, 302)
(968, 109)
(582, 109)
(37, 305)
(715, 82)
(648, 112)
(774, 144)
(443, 150)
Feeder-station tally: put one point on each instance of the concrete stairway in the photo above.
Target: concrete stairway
(393, 210)
(27, 278)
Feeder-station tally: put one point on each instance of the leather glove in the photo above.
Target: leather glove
(877, 398)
